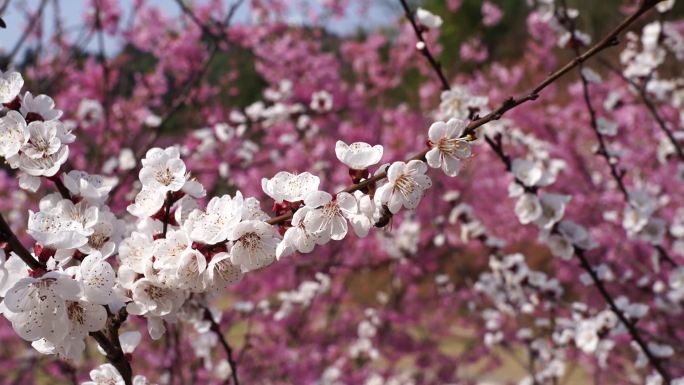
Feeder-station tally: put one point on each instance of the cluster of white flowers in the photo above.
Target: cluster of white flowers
(302, 296)
(56, 306)
(513, 287)
(320, 217)
(546, 210)
(459, 103)
(106, 374)
(56, 309)
(32, 139)
(639, 219)
(515, 290)
(176, 251)
(642, 56)
(366, 330)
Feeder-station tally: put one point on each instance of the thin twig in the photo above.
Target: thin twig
(616, 172)
(216, 328)
(185, 93)
(32, 23)
(651, 106)
(631, 328)
(512, 102)
(422, 45)
(608, 41)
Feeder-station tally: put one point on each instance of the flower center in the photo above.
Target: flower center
(34, 117)
(97, 240)
(154, 292)
(164, 176)
(452, 147)
(250, 241)
(405, 184)
(76, 313)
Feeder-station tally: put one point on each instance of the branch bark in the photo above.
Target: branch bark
(216, 328)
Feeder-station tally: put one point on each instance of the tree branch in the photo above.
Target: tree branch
(423, 47)
(511, 103)
(216, 328)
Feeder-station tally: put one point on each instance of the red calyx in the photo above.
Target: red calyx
(43, 253)
(34, 117)
(36, 273)
(14, 104)
(358, 175)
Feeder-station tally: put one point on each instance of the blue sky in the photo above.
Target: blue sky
(381, 12)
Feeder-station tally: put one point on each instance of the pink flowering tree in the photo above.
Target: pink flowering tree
(231, 192)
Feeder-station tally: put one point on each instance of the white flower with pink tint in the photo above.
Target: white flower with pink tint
(358, 155)
(10, 85)
(428, 19)
(405, 185)
(448, 148)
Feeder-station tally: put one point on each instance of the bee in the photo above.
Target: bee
(385, 217)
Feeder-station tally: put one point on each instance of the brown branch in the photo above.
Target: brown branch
(107, 338)
(631, 328)
(651, 106)
(618, 176)
(32, 23)
(216, 328)
(512, 102)
(608, 41)
(616, 172)
(423, 47)
(7, 235)
(109, 342)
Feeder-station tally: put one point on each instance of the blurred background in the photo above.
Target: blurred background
(140, 59)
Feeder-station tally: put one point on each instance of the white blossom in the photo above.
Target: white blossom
(14, 134)
(552, 209)
(285, 186)
(98, 279)
(40, 107)
(358, 155)
(10, 85)
(528, 172)
(37, 306)
(586, 336)
(61, 223)
(163, 170)
(329, 217)
(154, 299)
(94, 188)
(147, 203)
(321, 101)
(405, 185)
(458, 103)
(215, 223)
(528, 208)
(221, 271)
(576, 234)
(428, 19)
(136, 251)
(90, 111)
(448, 148)
(255, 244)
(105, 374)
(298, 237)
